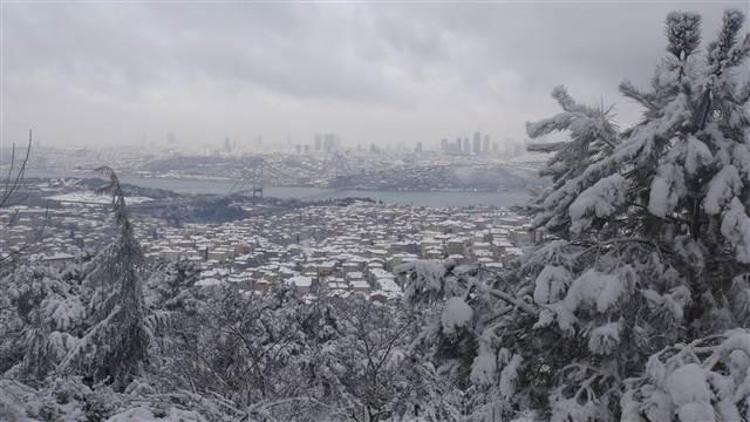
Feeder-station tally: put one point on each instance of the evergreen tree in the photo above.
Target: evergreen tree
(115, 347)
(649, 245)
(659, 232)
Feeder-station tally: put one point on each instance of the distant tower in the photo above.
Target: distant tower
(227, 145)
(318, 141)
(458, 144)
(444, 144)
(486, 146)
(330, 142)
(477, 143)
(467, 146)
(418, 148)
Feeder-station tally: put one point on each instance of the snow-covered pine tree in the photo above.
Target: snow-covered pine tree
(114, 349)
(680, 182)
(655, 251)
(659, 234)
(592, 137)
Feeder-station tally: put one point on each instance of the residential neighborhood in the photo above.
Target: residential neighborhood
(319, 249)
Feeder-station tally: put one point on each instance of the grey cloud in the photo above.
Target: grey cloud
(467, 60)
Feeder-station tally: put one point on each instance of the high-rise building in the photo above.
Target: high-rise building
(318, 141)
(331, 142)
(444, 144)
(467, 146)
(418, 148)
(486, 146)
(477, 143)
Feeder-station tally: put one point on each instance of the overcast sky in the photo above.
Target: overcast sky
(397, 72)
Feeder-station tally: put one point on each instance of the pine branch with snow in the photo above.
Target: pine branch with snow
(592, 136)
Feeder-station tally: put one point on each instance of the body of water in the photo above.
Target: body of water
(223, 187)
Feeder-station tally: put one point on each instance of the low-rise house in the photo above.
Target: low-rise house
(302, 284)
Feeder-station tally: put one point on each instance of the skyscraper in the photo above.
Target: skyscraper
(477, 143)
(331, 142)
(486, 146)
(467, 146)
(318, 141)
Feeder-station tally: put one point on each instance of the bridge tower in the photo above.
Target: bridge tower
(251, 178)
(256, 178)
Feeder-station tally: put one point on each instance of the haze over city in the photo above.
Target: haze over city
(103, 73)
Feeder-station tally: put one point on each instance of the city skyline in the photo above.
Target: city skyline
(116, 74)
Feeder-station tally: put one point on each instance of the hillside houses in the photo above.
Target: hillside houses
(339, 250)
(330, 249)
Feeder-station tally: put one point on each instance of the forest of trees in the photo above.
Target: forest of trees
(634, 307)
